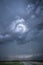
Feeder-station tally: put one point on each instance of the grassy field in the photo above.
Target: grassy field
(11, 63)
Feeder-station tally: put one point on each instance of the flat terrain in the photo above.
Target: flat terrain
(11, 63)
(21, 63)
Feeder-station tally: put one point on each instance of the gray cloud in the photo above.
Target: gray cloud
(34, 23)
(31, 14)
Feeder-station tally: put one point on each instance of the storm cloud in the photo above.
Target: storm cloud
(21, 27)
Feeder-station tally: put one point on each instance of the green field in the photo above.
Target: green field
(11, 63)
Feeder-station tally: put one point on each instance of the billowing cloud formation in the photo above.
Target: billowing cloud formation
(17, 29)
(18, 26)
(25, 29)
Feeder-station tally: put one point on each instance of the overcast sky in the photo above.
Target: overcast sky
(21, 27)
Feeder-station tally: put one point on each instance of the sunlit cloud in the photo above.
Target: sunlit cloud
(18, 26)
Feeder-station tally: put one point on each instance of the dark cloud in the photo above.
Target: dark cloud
(40, 26)
(34, 19)
(21, 27)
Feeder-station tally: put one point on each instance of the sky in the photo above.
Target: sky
(21, 27)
